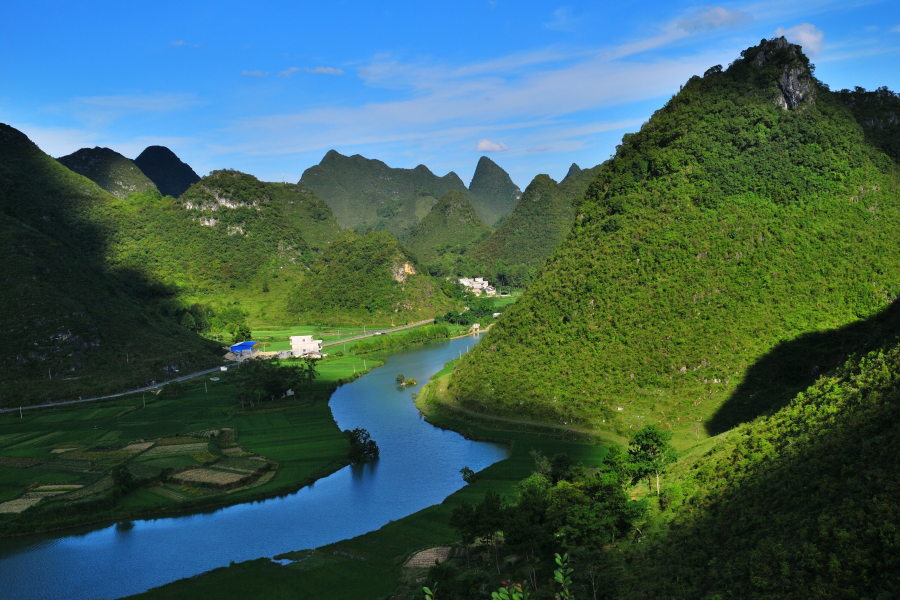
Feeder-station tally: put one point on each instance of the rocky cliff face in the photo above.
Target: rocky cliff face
(796, 84)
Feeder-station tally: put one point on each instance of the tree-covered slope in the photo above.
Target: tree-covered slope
(879, 114)
(166, 170)
(451, 228)
(367, 193)
(110, 170)
(750, 211)
(366, 278)
(74, 323)
(540, 221)
(493, 193)
(802, 504)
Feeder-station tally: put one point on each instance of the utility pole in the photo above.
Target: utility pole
(20, 413)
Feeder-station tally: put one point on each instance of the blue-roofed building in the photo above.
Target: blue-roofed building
(246, 349)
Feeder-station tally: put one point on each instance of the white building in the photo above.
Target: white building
(302, 345)
(477, 285)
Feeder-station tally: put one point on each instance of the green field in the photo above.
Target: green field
(370, 566)
(81, 446)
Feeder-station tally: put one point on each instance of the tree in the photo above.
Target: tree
(188, 322)
(651, 453)
(242, 333)
(490, 520)
(362, 447)
(464, 521)
(468, 475)
(400, 379)
(559, 467)
(309, 372)
(122, 478)
(265, 287)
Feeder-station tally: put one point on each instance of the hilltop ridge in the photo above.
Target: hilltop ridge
(447, 232)
(494, 195)
(172, 176)
(110, 170)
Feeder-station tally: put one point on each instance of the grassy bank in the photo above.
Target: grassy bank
(158, 438)
(371, 565)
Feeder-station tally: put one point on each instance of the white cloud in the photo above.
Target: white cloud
(178, 43)
(325, 71)
(253, 74)
(806, 35)
(489, 146)
(896, 29)
(563, 19)
(96, 110)
(714, 17)
(316, 70)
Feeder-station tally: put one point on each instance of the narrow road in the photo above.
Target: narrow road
(198, 374)
(379, 332)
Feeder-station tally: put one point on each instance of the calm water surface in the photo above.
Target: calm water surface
(419, 466)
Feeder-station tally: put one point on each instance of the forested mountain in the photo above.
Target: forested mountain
(166, 170)
(533, 230)
(749, 212)
(493, 193)
(365, 278)
(447, 232)
(76, 323)
(110, 170)
(367, 193)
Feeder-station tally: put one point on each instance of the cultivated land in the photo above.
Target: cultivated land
(198, 449)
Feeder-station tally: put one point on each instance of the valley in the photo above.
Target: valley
(673, 374)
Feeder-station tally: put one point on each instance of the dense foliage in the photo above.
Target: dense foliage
(493, 192)
(803, 504)
(110, 170)
(171, 176)
(75, 322)
(446, 234)
(879, 114)
(362, 447)
(361, 276)
(723, 234)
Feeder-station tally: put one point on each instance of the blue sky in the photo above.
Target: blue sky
(269, 87)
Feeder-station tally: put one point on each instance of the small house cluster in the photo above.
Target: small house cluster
(478, 285)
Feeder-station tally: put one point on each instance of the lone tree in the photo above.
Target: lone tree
(468, 475)
(400, 379)
(651, 454)
(362, 447)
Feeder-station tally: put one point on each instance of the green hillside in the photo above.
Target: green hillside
(166, 170)
(803, 504)
(74, 323)
(110, 170)
(365, 279)
(367, 193)
(493, 193)
(749, 212)
(446, 233)
(518, 248)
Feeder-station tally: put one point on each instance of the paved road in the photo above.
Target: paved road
(378, 332)
(206, 372)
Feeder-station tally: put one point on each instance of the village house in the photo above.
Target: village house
(477, 285)
(301, 345)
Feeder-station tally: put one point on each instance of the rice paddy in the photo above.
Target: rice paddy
(202, 448)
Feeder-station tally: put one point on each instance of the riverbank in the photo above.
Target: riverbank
(370, 566)
(58, 465)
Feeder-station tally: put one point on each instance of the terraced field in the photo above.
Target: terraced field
(207, 447)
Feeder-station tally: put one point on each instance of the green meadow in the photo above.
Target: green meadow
(291, 441)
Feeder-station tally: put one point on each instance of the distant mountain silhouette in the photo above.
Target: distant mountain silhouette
(172, 176)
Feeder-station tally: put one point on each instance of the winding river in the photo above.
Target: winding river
(419, 466)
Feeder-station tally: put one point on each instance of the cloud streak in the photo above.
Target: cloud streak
(489, 146)
(253, 74)
(315, 71)
(806, 35)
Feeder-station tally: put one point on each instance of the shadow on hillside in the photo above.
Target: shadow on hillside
(793, 366)
(807, 522)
